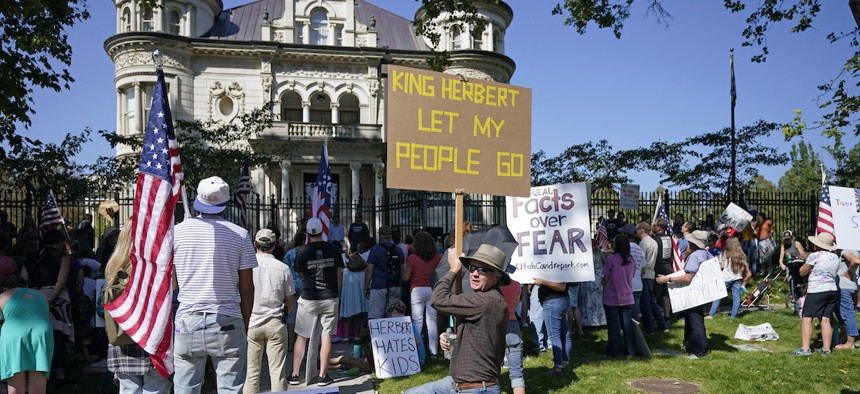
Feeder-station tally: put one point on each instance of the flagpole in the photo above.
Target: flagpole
(823, 173)
(657, 207)
(65, 230)
(158, 61)
(733, 179)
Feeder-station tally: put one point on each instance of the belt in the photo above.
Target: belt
(473, 385)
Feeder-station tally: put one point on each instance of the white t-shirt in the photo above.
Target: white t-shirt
(846, 283)
(649, 246)
(273, 282)
(639, 258)
(209, 251)
(728, 274)
(822, 278)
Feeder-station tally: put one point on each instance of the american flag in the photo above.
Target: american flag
(825, 213)
(321, 203)
(242, 192)
(602, 236)
(51, 214)
(677, 261)
(144, 308)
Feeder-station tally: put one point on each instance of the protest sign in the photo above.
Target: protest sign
(845, 204)
(447, 133)
(628, 197)
(553, 232)
(735, 217)
(761, 332)
(707, 286)
(394, 350)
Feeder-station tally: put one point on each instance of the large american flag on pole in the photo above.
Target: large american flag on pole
(144, 308)
(51, 214)
(677, 260)
(825, 213)
(242, 192)
(602, 235)
(321, 202)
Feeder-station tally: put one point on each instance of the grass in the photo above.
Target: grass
(725, 370)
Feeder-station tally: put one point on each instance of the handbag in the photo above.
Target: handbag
(355, 263)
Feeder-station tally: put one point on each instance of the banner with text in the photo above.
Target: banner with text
(394, 350)
(448, 133)
(845, 203)
(735, 217)
(553, 232)
(628, 197)
(707, 286)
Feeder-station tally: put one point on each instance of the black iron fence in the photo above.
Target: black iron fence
(430, 210)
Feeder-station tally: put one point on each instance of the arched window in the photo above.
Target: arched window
(126, 20)
(129, 111)
(319, 27)
(498, 41)
(291, 107)
(348, 109)
(174, 24)
(320, 108)
(456, 40)
(146, 20)
(478, 40)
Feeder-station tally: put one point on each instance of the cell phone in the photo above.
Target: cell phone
(228, 327)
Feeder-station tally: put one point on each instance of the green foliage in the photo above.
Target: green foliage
(37, 167)
(35, 54)
(460, 13)
(760, 184)
(804, 175)
(596, 163)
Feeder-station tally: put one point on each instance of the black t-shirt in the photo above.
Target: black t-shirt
(318, 262)
(44, 270)
(545, 293)
(612, 226)
(663, 265)
(358, 232)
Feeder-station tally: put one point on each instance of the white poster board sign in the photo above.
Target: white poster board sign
(735, 217)
(553, 232)
(761, 332)
(845, 204)
(707, 286)
(395, 352)
(628, 197)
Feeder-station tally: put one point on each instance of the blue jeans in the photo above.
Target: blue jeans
(150, 383)
(734, 287)
(651, 309)
(846, 306)
(749, 247)
(637, 295)
(554, 311)
(616, 316)
(537, 321)
(514, 352)
(446, 386)
(220, 337)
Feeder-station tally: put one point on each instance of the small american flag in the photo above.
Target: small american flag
(602, 236)
(825, 213)
(242, 192)
(321, 203)
(677, 261)
(144, 308)
(51, 214)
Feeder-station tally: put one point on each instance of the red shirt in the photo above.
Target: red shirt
(421, 270)
(512, 297)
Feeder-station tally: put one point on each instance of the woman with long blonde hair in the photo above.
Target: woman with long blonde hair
(130, 363)
(736, 274)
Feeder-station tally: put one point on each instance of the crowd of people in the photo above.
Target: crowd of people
(240, 296)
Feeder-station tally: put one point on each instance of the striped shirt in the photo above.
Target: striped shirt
(209, 252)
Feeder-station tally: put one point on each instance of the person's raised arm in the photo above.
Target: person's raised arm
(62, 278)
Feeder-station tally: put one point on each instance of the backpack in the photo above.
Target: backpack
(116, 335)
(394, 264)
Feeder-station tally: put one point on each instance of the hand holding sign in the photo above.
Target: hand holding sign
(735, 217)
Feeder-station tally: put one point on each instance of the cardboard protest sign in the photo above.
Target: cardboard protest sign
(628, 197)
(845, 204)
(707, 286)
(448, 133)
(735, 217)
(761, 332)
(394, 350)
(553, 232)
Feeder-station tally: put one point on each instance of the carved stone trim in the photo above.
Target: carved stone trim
(321, 71)
(233, 91)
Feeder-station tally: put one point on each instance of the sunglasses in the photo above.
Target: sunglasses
(481, 270)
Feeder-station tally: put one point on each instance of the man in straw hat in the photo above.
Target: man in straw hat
(479, 347)
(822, 293)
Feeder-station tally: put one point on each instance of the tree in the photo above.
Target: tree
(596, 163)
(35, 54)
(805, 172)
(760, 184)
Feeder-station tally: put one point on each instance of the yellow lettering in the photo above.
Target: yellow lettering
(470, 162)
(479, 93)
(434, 155)
(468, 88)
(484, 127)
(514, 94)
(509, 164)
(503, 97)
(415, 156)
(491, 96)
(397, 80)
(400, 153)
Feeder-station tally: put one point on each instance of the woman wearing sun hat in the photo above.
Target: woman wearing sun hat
(822, 293)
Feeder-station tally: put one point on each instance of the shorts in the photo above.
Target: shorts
(819, 305)
(573, 296)
(309, 310)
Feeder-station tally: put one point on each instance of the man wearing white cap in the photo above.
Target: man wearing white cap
(213, 259)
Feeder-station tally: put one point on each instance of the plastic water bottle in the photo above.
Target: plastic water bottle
(449, 337)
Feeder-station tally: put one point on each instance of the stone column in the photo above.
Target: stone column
(332, 28)
(140, 123)
(356, 181)
(306, 111)
(285, 180)
(119, 112)
(378, 190)
(335, 113)
(259, 175)
(306, 33)
(490, 44)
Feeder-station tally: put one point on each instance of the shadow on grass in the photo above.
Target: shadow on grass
(540, 381)
(719, 342)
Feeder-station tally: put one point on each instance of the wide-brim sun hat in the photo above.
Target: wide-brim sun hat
(824, 241)
(492, 256)
(698, 238)
(212, 195)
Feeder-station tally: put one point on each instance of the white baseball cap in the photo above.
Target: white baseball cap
(212, 195)
(314, 226)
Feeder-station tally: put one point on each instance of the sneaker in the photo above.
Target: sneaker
(293, 380)
(324, 381)
(824, 352)
(709, 317)
(802, 352)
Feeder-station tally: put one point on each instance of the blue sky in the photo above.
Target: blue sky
(656, 82)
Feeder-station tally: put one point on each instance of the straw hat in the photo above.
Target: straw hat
(824, 241)
(492, 256)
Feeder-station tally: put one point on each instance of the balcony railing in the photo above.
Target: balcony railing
(301, 130)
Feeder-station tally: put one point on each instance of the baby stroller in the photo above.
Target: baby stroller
(760, 297)
(796, 284)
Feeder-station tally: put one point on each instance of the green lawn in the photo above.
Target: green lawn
(725, 370)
